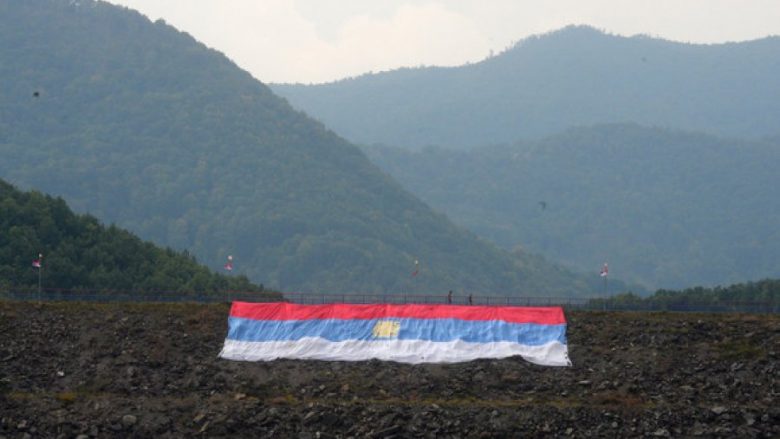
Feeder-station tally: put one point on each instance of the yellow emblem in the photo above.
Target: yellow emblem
(386, 329)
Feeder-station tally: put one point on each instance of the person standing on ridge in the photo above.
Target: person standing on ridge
(449, 297)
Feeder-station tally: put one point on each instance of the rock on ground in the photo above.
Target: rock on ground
(142, 370)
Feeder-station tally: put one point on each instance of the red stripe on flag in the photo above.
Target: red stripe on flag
(552, 315)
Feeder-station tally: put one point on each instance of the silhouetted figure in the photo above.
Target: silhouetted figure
(449, 297)
(471, 299)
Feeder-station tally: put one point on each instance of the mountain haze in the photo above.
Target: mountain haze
(576, 76)
(667, 209)
(140, 125)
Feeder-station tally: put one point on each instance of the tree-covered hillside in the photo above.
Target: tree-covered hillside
(763, 296)
(80, 253)
(577, 76)
(142, 126)
(667, 209)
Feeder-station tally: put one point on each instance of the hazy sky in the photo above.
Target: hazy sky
(313, 41)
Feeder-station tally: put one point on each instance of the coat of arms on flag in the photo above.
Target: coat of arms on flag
(386, 329)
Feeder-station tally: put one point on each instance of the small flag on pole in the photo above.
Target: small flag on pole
(229, 264)
(416, 268)
(604, 270)
(37, 262)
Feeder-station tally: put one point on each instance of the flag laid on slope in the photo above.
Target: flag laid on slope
(404, 333)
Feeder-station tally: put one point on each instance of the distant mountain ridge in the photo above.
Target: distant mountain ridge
(666, 209)
(576, 76)
(142, 126)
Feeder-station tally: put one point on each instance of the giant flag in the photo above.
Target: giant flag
(403, 333)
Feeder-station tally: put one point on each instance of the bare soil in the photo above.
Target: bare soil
(151, 370)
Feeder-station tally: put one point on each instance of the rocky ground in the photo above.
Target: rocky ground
(129, 370)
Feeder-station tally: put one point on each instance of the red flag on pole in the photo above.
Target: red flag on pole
(229, 264)
(37, 262)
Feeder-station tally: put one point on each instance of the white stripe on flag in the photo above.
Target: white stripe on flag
(403, 351)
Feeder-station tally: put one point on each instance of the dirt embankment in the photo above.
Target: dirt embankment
(87, 370)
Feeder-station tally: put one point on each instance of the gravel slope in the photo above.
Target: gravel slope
(130, 370)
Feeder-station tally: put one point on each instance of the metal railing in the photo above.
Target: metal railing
(570, 303)
(107, 296)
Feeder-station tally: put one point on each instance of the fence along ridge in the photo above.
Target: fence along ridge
(596, 303)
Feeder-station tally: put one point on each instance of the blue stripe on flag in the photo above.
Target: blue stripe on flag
(531, 334)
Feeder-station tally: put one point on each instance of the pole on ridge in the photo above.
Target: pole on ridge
(40, 270)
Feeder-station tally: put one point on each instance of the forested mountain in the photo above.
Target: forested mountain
(79, 252)
(543, 85)
(142, 126)
(763, 295)
(665, 208)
